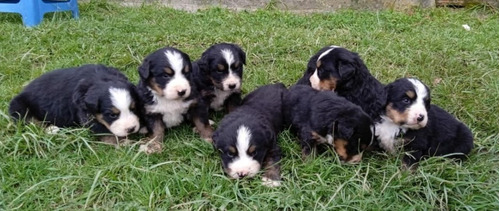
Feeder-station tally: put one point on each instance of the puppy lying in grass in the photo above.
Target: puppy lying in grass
(247, 137)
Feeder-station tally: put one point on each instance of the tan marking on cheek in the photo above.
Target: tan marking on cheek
(328, 84)
(168, 71)
(340, 145)
(396, 116)
(155, 86)
(220, 67)
(411, 94)
(100, 119)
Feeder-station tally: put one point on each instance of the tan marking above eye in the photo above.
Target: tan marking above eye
(168, 71)
(411, 94)
(220, 67)
(236, 64)
(186, 69)
(251, 149)
(318, 63)
(232, 150)
(132, 105)
(115, 110)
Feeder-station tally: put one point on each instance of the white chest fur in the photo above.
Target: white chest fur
(387, 133)
(172, 110)
(220, 96)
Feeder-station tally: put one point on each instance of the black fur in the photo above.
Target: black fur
(261, 113)
(71, 97)
(310, 111)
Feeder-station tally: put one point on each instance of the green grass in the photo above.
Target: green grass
(72, 170)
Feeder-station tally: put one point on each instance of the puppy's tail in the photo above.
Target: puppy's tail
(18, 109)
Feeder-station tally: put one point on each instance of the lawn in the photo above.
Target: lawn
(72, 170)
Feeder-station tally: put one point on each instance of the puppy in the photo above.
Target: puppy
(93, 96)
(169, 96)
(337, 69)
(319, 117)
(247, 137)
(218, 76)
(426, 129)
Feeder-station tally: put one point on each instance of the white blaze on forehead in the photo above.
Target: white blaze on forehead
(175, 60)
(228, 56)
(120, 98)
(243, 164)
(419, 88)
(327, 51)
(127, 122)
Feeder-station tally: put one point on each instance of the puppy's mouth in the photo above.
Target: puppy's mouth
(415, 126)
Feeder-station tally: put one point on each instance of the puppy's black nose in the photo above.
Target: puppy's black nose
(420, 118)
(181, 93)
(131, 130)
(242, 174)
(232, 86)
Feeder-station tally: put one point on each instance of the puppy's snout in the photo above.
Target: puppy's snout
(181, 92)
(232, 86)
(420, 118)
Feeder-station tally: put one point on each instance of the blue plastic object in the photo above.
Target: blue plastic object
(32, 11)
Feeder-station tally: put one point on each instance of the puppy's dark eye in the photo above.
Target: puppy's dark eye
(220, 68)
(113, 115)
(406, 100)
(230, 154)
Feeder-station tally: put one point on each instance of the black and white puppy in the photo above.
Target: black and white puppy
(337, 69)
(320, 117)
(169, 96)
(93, 96)
(247, 137)
(218, 76)
(426, 129)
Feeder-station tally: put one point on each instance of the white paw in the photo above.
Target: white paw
(52, 129)
(211, 122)
(143, 130)
(270, 183)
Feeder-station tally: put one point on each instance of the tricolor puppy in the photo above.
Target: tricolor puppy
(247, 137)
(169, 96)
(93, 96)
(426, 129)
(337, 69)
(218, 76)
(320, 117)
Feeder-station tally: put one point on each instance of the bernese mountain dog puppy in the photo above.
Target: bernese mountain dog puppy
(320, 117)
(169, 96)
(93, 96)
(337, 69)
(218, 75)
(424, 129)
(247, 137)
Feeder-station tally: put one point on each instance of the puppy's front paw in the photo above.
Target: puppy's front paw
(151, 147)
(270, 183)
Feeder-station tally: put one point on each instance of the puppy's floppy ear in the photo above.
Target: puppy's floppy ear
(144, 69)
(84, 101)
(346, 70)
(344, 131)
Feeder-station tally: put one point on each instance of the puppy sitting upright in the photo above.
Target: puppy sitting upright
(319, 117)
(218, 75)
(169, 96)
(247, 137)
(92, 96)
(427, 130)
